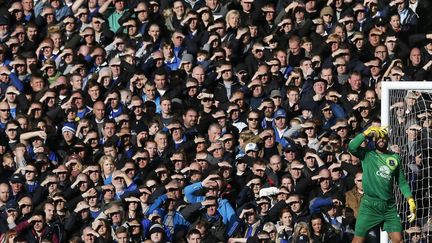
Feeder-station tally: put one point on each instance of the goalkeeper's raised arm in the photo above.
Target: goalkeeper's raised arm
(381, 168)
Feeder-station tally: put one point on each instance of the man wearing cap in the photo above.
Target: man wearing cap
(280, 127)
(10, 209)
(380, 169)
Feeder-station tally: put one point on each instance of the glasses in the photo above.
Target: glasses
(340, 65)
(325, 179)
(358, 180)
(127, 171)
(5, 110)
(252, 119)
(340, 128)
(12, 130)
(363, 109)
(278, 118)
(207, 100)
(293, 202)
(152, 187)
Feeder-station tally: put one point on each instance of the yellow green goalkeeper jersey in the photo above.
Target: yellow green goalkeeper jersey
(380, 170)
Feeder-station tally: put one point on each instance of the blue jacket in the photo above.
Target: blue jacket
(179, 222)
(229, 217)
(318, 202)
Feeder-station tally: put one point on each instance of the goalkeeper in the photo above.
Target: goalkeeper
(380, 169)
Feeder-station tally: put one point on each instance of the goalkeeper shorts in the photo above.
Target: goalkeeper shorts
(373, 212)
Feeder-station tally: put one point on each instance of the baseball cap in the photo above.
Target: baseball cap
(280, 113)
(251, 147)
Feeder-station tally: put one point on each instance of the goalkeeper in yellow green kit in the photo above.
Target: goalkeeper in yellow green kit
(381, 168)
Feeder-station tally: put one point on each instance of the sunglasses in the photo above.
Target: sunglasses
(363, 108)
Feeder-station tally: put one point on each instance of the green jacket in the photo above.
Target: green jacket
(380, 171)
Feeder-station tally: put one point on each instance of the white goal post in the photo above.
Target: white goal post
(389, 89)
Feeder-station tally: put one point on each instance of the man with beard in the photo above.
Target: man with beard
(380, 168)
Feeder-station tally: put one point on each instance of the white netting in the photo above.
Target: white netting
(410, 123)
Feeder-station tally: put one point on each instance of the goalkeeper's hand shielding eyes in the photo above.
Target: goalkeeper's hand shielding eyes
(412, 209)
(375, 131)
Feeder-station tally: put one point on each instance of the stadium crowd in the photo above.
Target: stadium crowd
(198, 120)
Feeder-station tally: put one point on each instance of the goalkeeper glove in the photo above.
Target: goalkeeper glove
(412, 208)
(375, 131)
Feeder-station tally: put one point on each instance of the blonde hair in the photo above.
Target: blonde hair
(297, 228)
(105, 158)
(229, 14)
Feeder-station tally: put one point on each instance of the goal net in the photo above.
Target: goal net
(407, 111)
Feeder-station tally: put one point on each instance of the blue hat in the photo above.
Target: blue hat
(280, 113)
(303, 238)
(69, 127)
(290, 147)
(11, 205)
(17, 178)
